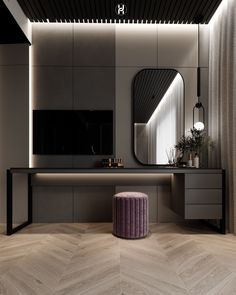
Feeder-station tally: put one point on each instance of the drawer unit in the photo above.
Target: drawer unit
(203, 180)
(203, 196)
(212, 211)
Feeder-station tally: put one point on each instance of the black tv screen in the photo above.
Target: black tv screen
(72, 132)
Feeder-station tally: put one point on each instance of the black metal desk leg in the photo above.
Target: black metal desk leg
(9, 203)
(10, 229)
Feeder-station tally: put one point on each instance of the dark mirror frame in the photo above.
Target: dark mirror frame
(133, 115)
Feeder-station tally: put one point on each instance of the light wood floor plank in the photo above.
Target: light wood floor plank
(86, 259)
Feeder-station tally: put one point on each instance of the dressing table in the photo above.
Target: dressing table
(196, 193)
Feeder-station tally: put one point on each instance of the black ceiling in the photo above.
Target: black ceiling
(149, 87)
(160, 11)
(10, 32)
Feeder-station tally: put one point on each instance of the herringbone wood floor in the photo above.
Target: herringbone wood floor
(74, 259)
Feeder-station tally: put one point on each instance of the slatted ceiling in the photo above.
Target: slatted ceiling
(101, 10)
(213, 7)
(74, 7)
(43, 13)
(172, 7)
(152, 10)
(40, 10)
(166, 9)
(179, 10)
(160, 11)
(78, 10)
(109, 9)
(149, 87)
(30, 10)
(145, 9)
(67, 14)
(189, 10)
(48, 11)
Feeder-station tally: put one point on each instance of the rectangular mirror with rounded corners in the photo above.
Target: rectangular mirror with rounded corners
(158, 115)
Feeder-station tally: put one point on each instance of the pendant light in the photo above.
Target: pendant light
(198, 109)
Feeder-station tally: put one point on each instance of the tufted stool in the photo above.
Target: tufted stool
(130, 215)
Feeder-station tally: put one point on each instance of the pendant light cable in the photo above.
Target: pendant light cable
(198, 106)
(198, 67)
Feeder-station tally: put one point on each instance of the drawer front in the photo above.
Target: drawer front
(203, 211)
(203, 181)
(203, 196)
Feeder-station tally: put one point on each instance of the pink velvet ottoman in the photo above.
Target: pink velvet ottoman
(130, 215)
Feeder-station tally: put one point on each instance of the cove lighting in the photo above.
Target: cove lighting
(30, 106)
(103, 178)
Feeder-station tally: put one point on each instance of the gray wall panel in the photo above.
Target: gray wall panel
(177, 46)
(190, 77)
(136, 45)
(93, 204)
(73, 69)
(53, 204)
(204, 45)
(14, 118)
(165, 214)
(94, 45)
(94, 88)
(103, 61)
(20, 198)
(17, 54)
(52, 87)
(52, 44)
(124, 148)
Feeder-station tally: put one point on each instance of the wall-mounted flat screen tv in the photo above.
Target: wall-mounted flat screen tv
(72, 132)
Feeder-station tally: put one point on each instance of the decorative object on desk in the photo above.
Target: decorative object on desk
(190, 160)
(196, 161)
(112, 163)
(170, 153)
(197, 142)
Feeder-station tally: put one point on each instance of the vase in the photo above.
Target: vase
(196, 161)
(190, 160)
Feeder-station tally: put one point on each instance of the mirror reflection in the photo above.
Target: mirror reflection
(158, 106)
